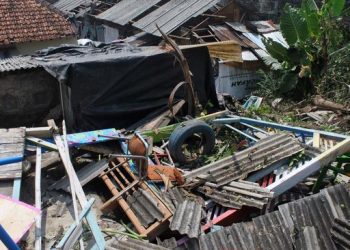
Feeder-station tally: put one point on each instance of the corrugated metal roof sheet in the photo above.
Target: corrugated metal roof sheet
(17, 63)
(267, 146)
(132, 244)
(264, 153)
(69, 5)
(341, 233)
(168, 243)
(187, 219)
(237, 194)
(309, 239)
(173, 14)
(319, 211)
(271, 232)
(302, 224)
(145, 207)
(126, 10)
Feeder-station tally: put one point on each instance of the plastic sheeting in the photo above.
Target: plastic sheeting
(122, 86)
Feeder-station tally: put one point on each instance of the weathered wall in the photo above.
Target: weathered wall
(26, 97)
(31, 47)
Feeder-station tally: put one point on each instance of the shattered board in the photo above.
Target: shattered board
(16, 217)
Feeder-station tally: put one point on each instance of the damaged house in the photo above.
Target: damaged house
(148, 136)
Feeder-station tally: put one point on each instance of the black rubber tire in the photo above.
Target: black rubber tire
(186, 130)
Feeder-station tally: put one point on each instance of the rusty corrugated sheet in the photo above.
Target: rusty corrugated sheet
(131, 244)
(341, 233)
(237, 194)
(264, 153)
(145, 207)
(187, 219)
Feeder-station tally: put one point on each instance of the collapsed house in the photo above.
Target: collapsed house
(140, 157)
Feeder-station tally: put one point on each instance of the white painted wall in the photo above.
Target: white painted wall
(235, 81)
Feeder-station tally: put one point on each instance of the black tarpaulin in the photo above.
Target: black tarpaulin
(119, 85)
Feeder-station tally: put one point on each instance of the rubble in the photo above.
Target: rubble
(142, 155)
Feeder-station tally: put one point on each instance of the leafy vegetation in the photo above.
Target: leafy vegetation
(312, 34)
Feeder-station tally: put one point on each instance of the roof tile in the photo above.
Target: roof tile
(28, 20)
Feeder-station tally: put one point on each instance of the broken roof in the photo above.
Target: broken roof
(27, 20)
(172, 15)
(294, 224)
(69, 5)
(125, 11)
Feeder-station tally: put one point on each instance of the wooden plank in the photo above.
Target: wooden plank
(70, 172)
(163, 119)
(11, 147)
(42, 143)
(16, 217)
(79, 190)
(316, 140)
(10, 139)
(47, 159)
(38, 198)
(72, 229)
(11, 171)
(6, 187)
(40, 132)
(16, 191)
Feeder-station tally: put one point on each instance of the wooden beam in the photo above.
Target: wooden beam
(38, 198)
(316, 140)
(100, 242)
(41, 132)
(42, 143)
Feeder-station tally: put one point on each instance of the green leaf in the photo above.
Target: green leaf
(276, 50)
(309, 6)
(310, 12)
(289, 81)
(293, 26)
(272, 63)
(336, 7)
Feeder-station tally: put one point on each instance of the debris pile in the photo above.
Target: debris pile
(144, 149)
(161, 197)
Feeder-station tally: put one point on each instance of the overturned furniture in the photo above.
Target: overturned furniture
(148, 213)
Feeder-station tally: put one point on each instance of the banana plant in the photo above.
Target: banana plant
(310, 34)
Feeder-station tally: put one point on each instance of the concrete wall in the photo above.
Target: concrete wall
(26, 97)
